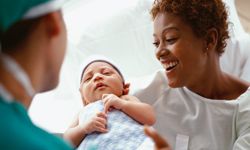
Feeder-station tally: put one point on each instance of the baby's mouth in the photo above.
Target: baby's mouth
(100, 85)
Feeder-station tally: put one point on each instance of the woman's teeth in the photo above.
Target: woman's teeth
(171, 65)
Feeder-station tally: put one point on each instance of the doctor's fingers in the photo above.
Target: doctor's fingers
(160, 142)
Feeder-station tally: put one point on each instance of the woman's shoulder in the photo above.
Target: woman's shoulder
(152, 81)
(244, 99)
(243, 113)
(231, 87)
(149, 88)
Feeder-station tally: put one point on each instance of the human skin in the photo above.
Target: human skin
(189, 59)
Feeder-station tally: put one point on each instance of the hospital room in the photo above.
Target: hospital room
(125, 74)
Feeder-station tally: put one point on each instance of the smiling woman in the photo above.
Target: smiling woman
(176, 53)
(194, 99)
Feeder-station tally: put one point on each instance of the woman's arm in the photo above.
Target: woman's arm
(130, 105)
(243, 123)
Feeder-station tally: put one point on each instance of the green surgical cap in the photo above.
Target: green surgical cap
(12, 11)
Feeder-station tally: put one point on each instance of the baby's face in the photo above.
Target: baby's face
(100, 78)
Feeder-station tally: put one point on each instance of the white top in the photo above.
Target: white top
(189, 121)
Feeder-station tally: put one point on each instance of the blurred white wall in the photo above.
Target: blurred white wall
(244, 13)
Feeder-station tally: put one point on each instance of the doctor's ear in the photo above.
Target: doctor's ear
(126, 88)
(53, 23)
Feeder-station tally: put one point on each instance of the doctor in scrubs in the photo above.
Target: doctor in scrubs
(33, 43)
(198, 106)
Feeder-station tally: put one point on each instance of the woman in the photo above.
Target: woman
(195, 101)
(32, 48)
(33, 43)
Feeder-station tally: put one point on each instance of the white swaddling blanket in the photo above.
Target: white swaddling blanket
(124, 133)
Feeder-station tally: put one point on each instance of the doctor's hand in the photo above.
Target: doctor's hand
(160, 143)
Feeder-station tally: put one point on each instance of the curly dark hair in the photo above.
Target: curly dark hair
(201, 15)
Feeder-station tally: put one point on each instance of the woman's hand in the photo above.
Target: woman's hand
(160, 143)
(97, 123)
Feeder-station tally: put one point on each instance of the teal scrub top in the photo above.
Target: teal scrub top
(18, 132)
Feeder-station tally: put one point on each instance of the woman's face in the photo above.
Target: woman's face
(98, 79)
(179, 50)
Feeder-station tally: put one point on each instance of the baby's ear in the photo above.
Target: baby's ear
(126, 88)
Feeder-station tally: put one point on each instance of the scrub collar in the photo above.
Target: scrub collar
(19, 74)
(5, 94)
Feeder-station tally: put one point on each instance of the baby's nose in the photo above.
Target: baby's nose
(97, 76)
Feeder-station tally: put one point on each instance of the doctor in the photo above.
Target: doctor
(197, 105)
(33, 43)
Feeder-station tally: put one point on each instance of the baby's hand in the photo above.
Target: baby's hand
(97, 123)
(111, 100)
(130, 98)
